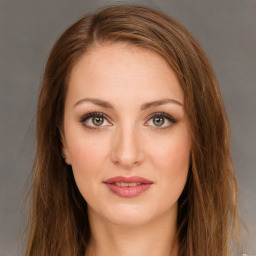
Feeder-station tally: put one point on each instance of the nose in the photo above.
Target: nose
(127, 148)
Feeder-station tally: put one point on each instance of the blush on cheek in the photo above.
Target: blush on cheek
(87, 149)
(173, 154)
(173, 157)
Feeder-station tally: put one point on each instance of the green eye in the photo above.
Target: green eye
(97, 120)
(161, 120)
(158, 121)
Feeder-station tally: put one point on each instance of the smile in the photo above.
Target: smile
(128, 186)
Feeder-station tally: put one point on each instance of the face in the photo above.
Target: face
(126, 134)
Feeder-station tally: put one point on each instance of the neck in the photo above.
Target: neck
(152, 239)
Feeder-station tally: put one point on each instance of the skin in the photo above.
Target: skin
(128, 142)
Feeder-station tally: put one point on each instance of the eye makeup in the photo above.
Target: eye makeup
(98, 120)
(161, 116)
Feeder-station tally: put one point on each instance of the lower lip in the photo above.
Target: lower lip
(128, 191)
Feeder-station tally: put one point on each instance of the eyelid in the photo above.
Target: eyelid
(93, 114)
(164, 115)
(152, 115)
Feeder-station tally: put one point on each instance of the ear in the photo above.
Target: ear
(64, 149)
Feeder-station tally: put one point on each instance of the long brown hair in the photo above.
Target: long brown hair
(207, 210)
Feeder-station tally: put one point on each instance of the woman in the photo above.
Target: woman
(132, 143)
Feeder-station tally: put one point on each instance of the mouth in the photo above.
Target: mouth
(124, 184)
(128, 186)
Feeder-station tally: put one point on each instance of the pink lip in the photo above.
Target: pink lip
(131, 191)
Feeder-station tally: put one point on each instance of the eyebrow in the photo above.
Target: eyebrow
(145, 106)
(159, 102)
(98, 102)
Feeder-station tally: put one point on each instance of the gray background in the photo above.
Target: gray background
(227, 31)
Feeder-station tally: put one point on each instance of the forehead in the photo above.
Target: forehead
(105, 70)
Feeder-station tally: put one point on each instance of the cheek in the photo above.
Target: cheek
(171, 157)
(87, 160)
(173, 152)
(84, 146)
(87, 154)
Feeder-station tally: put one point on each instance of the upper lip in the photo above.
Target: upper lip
(132, 179)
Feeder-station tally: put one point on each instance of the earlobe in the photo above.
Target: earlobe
(65, 155)
(64, 150)
(67, 161)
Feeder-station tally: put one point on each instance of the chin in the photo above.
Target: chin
(129, 215)
(129, 220)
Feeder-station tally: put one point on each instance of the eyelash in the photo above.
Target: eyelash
(163, 115)
(102, 115)
(92, 114)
